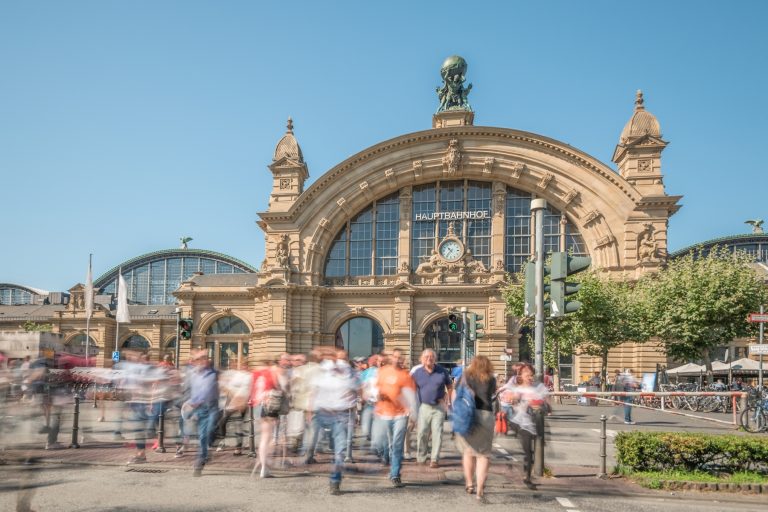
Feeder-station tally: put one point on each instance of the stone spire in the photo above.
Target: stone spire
(289, 172)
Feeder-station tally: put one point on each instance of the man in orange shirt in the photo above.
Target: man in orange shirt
(397, 400)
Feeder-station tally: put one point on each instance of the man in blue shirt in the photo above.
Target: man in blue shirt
(204, 403)
(433, 391)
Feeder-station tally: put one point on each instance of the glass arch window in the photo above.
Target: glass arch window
(450, 197)
(559, 233)
(367, 244)
(15, 296)
(76, 345)
(136, 342)
(360, 337)
(445, 343)
(155, 281)
(228, 325)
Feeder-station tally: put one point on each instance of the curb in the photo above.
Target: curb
(714, 487)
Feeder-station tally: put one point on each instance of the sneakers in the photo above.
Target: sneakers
(53, 446)
(629, 422)
(396, 482)
(179, 452)
(221, 447)
(349, 460)
(138, 459)
(434, 464)
(310, 460)
(335, 488)
(238, 451)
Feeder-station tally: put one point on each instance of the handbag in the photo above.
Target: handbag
(463, 413)
(276, 403)
(501, 423)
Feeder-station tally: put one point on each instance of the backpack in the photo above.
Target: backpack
(276, 403)
(463, 409)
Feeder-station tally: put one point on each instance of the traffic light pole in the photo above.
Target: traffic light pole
(538, 206)
(178, 337)
(464, 337)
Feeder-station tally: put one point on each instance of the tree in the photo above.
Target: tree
(612, 312)
(702, 300)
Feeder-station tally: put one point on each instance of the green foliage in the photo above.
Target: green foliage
(671, 451)
(30, 326)
(701, 300)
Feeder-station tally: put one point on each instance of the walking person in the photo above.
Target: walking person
(477, 444)
(204, 404)
(236, 386)
(433, 391)
(628, 383)
(333, 397)
(270, 400)
(396, 402)
(529, 400)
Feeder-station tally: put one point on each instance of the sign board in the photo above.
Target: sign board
(505, 357)
(116, 356)
(757, 317)
(758, 349)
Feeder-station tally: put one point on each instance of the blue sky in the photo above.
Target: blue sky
(118, 120)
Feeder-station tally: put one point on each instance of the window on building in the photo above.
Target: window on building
(360, 337)
(227, 341)
(77, 345)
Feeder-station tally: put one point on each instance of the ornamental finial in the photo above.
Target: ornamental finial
(289, 127)
(639, 101)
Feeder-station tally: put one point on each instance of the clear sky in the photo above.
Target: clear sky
(125, 125)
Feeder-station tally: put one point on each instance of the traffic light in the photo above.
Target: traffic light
(185, 328)
(453, 322)
(563, 266)
(475, 327)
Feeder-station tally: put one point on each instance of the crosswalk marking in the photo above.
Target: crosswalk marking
(609, 433)
(565, 502)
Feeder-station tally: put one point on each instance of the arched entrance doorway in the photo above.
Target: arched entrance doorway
(360, 337)
(445, 342)
(226, 341)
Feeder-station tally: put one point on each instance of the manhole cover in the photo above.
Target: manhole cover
(146, 470)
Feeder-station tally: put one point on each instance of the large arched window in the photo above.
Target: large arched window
(433, 201)
(559, 233)
(360, 337)
(367, 244)
(136, 342)
(227, 342)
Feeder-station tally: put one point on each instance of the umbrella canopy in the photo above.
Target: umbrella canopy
(689, 369)
(739, 366)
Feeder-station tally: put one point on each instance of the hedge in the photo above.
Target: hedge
(664, 451)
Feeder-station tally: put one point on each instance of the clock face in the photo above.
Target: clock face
(450, 250)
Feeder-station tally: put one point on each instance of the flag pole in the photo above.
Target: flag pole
(88, 310)
(117, 316)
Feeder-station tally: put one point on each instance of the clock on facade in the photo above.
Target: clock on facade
(451, 250)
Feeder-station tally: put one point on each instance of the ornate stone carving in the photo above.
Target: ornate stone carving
(391, 179)
(418, 167)
(434, 264)
(647, 245)
(516, 170)
(545, 181)
(452, 158)
(453, 94)
(606, 240)
(343, 205)
(499, 266)
(365, 189)
(570, 196)
(644, 165)
(324, 223)
(592, 216)
(498, 204)
(264, 265)
(476, 267)
(282, 252)
(285, 183)
(488, 164)
(405, 267)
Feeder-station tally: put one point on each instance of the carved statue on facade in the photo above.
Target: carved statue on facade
(476, 267)
(647, 245)
(452, 158)
(453, 94)
(184, 241)
(757, 225)
(433, 264)
(282, 253)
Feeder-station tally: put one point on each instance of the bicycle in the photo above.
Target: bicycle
(754, 418)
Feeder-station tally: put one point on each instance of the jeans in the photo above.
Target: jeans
(140, 417)
(389, 439)
(627, 408)
(206, 427)
(337, 422)
(366, 420)
(431, 418)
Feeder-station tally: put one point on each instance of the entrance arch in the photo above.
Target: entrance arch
(360, 336)
(445, 343)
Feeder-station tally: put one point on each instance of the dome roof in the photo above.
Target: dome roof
(288, 147)
(641, 123)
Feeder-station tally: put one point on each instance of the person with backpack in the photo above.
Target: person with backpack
(475, 441)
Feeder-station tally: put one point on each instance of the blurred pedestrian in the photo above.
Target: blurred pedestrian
(204, 404)
(433, 392)
(477, 444)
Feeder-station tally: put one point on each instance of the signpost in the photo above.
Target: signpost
(761, 318)
(116, 356)
(757, 317)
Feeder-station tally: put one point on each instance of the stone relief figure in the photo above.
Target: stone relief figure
(453, 94)
(433, 264)
(452, 158)
(282, 252)
(404, 267)
(647, 245)
(476, 267)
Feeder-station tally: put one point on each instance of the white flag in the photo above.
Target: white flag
(122, 301)
(89, 292)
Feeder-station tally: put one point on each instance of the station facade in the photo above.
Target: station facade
(378, 250)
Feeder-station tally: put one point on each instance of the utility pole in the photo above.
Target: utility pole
(464, 336)
(538, 206)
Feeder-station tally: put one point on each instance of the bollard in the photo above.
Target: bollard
(538, 445)
(252, 435)
(603, 455)
(75, 423)
(161, 430)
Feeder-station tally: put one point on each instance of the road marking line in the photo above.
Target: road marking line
(565, 502)
(571, 510)
(608, 433)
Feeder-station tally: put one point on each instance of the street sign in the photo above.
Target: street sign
(116, 356)
(757, 317)
(761, 349)
(505, 357)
